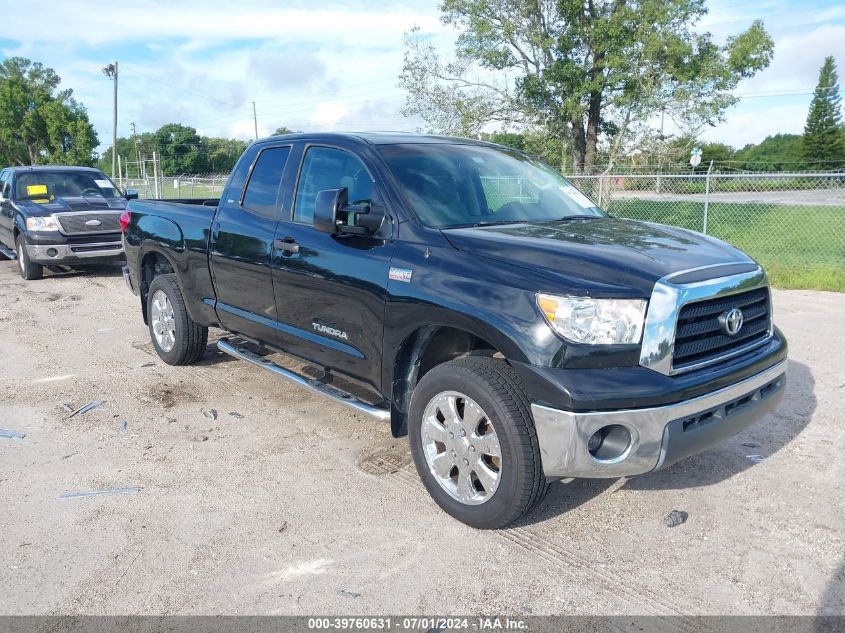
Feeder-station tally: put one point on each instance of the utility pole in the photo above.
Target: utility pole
(255, 119)
(137, 148)
(110, 71)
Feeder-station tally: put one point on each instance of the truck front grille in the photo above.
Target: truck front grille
(81, 223)
(700, 338)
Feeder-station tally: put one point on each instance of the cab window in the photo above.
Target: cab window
(263, 187)
(330, 168)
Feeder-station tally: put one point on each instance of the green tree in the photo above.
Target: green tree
(38, 122)
(823, 145)
(180, 150)
(582, 70)
(282, 130)
(781, 152)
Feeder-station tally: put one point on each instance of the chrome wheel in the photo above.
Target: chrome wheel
(163, 321)
(461, 447)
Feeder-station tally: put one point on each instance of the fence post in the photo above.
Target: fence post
(601, 186)
(707, 195)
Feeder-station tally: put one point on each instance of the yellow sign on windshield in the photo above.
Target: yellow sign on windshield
(34, 190)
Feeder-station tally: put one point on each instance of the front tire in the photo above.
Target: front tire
(474, 444)
(28, 269)
(177, 339)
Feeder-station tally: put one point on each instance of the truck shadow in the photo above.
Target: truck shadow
(832, 602)
(722, 462)
(101, 270)
(743, 451)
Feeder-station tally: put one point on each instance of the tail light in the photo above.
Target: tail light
(124, 220)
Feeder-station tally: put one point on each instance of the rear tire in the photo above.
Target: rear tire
(177, 339)
(26, 267)
(470, 421)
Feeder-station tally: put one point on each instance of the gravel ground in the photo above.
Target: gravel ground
(282, 503)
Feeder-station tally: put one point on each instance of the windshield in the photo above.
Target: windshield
(454, 185)
(43, 186)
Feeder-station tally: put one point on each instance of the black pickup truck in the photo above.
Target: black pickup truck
(472, 297)
(59, 216)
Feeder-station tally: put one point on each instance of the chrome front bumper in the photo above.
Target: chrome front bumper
(660, 436)
(56, 253)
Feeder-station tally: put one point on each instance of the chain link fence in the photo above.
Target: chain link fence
(792, 223)
(182, 186)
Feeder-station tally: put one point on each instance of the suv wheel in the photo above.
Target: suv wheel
(27, 268)
(178, 340)
(474, 444)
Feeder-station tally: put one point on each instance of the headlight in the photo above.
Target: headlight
(46, 223)
(594, 321)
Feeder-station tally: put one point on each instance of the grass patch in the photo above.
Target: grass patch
(800, 247)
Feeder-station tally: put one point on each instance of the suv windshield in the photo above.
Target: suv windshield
(44, 186)
(453, 185)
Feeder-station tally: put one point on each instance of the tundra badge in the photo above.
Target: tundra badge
(327, 329)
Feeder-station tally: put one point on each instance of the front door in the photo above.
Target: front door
(242, 246)
(331, 290)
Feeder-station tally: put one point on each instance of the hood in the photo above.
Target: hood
(600, 255)
(68, 204)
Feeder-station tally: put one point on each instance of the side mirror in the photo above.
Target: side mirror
(333, 214)
(131, 194)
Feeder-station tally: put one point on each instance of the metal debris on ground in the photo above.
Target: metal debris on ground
(755, 458)
(675, 517)
(235, 414)
(66, 407)
(148, 365)
(349, 594)
(123, 425)
(95, 493)
(69, 455)
(9, 433)
(86, 408)
(751, 445)
(210, 413)
(283, 526)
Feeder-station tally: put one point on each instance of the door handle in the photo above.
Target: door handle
(286, 245)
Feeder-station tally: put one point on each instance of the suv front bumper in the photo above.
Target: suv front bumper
(659, 436)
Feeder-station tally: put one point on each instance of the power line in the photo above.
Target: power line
(180, 88)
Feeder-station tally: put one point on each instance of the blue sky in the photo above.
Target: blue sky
(333, 66)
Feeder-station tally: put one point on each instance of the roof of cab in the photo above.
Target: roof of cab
(376, 138)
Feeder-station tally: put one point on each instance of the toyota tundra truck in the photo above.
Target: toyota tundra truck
(471, 297)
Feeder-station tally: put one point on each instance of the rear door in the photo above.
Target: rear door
(242, 244)
(330, 292)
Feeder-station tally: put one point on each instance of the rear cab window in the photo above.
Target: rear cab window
(262, 190)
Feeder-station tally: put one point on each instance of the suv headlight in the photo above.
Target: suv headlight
(44, 223)
(594, 321)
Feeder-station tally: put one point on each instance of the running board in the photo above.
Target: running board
(333, 393)
(11, 254)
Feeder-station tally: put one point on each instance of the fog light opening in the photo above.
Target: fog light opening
(609, 443)
(52, 252)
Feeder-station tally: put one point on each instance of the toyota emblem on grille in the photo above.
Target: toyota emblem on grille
(93, 223)
(731, 321)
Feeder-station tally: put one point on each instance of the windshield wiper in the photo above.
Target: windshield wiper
(569, 218)
(492, 222)
(35, 196)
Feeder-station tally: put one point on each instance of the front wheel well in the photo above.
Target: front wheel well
(422, 351)
(152, 265)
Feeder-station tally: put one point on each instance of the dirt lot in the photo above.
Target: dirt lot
(285, 504)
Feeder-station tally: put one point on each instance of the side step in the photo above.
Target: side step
(341, 397)
(8, 252)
